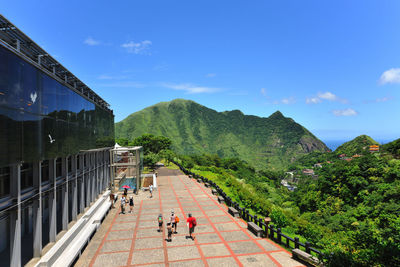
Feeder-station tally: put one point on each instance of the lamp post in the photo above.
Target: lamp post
(267, 220)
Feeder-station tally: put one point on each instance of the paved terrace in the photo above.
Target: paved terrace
(220, 240)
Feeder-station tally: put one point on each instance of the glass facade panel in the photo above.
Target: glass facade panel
(45, 171)
(5, 181)
(41, 118)
(5, 238)
(10, 136)
(26, 175)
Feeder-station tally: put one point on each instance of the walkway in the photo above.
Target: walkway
(220, 240)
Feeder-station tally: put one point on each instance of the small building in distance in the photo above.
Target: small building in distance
(373, 148)
(317, 165)
(308, 172)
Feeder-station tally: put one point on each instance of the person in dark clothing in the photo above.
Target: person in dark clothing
(160, 222)
(131, 204)
(169, 228)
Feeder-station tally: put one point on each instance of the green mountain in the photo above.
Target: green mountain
(359, 145)
(393, 147)
(271, 142)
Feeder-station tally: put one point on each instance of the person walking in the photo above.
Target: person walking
(131, 204)
(151, 190)
(169, 228)
(176, 224)
(160, 222)
(123, 203)
(125, 192)
(112, 199)
(173, 221)
(191, 223)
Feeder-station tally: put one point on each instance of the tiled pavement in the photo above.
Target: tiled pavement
(220, 240)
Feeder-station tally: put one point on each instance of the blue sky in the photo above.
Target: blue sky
(332, 66)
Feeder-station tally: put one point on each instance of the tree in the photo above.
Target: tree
(151, 143)
(167, 154)
(150, 160)
(122, 141)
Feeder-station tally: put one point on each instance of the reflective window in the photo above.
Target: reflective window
(69, 161)
(58, 167)
(49, 100)
(4, 181)
(45, 171)
(10, 136)
(26, 175)
(41, 119)
(32, 137)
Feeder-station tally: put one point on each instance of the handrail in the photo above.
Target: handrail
(245, 214)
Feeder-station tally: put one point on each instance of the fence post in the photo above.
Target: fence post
(287, 242)
(308, 250)
(296, 242)
(279, 235)
(271, 236)
(255, 219)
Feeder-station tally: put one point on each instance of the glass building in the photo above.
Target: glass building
(55, 135)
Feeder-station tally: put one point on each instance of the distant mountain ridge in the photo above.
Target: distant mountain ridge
(359, 145)
(271, 142)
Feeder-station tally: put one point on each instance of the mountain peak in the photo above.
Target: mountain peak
(276, 115)
(193, 128)
(359, 145)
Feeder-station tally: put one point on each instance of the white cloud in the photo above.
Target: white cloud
(328, 96)
(211, 75)
(92, 42)
(288, 101)
(137, 48)
(390, 76)
(383, 99)
(191, 89)
(263, 92)
(345, 112)
(325, 96)
(313, 100)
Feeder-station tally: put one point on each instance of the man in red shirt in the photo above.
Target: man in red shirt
(191, 222)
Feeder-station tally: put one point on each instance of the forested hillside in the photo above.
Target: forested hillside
(359, 145)
(349, 208)
(271, 142)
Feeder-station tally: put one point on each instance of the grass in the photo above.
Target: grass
(170, 165)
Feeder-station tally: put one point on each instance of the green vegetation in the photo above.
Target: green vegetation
(155, 148)
(350, 209)
(271, 142)
(393, 148)
(359, 145)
